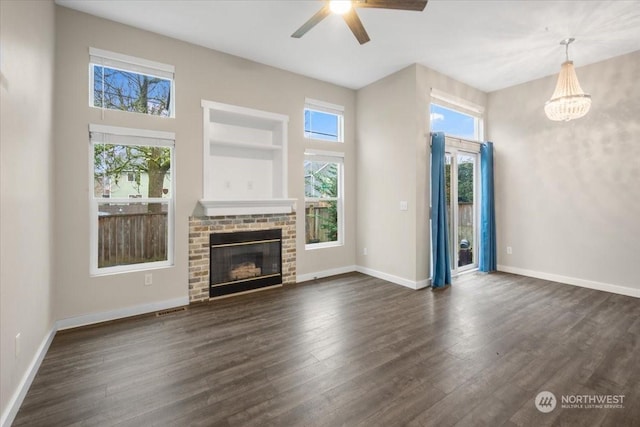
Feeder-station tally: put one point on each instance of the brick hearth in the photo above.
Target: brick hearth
(201, 227)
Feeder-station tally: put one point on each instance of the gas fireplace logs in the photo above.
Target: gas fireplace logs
(244, 271)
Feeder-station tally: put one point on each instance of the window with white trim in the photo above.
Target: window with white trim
(324, 204)
(131, 223)
(456, 117)
(323, 121)
(126, 83)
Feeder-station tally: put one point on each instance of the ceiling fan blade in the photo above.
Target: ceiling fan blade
(355, 24)
(319, 16)
(417, 5)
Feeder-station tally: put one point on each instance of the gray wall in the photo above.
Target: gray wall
(568, 193)
(387, 174)
(393, 165)
(27, 190)
(200, 74)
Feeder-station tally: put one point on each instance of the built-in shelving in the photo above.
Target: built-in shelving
(245, 145)
(244, 160)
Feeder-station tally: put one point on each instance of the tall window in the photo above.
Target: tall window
(323, 121)
(132, 220)
(323, 190)
(126, 83)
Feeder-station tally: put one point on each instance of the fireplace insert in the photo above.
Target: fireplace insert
(244, 261)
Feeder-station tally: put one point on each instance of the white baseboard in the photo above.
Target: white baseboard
(89, 319)
(394, 279)
(23, 387)
(325, 273)
(599, 286)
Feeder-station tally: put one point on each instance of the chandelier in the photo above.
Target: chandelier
(568, 101)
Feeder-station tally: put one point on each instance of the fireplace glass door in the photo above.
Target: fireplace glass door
(244, 261)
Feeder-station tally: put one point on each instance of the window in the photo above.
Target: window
(456, 117)
(323, 121)
(323, 191)
(126, 83)
(132, 222)
(133, 176)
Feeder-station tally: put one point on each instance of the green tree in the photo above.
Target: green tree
(324, 183)
(465, 182)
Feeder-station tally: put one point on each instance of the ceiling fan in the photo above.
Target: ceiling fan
(348, 11)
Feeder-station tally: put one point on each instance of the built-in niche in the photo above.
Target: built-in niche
(245, 161)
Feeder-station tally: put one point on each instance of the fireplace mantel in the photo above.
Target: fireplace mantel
(248, 207)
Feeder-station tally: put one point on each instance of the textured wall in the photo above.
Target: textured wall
(568, 193)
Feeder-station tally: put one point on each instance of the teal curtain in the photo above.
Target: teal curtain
(441, 276)
(487, 255)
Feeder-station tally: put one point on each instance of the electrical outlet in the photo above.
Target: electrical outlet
(364, 252)
(404, 205)
(509, 250)
(148, 279)
(250, 185)
(17, 345)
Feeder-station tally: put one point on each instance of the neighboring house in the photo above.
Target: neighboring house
(132, 185)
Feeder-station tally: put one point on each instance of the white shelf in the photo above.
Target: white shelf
(245, 161)
(246, 145)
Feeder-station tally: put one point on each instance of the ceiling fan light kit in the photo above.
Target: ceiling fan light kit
(347, 9)
(340, 7)
(568, 101)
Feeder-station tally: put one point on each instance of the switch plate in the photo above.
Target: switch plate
(148, 279)
(509, 250)
(364, 251)
(404, 206)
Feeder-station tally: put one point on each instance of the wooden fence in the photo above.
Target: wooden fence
(315, 216)
(132, 238)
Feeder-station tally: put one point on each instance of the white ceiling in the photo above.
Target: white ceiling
(489, 45)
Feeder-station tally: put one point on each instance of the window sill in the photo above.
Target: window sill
(324, 245)
(132, 268)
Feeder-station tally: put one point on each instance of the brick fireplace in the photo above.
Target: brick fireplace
(200, 229)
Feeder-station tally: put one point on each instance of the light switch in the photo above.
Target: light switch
(404, 205)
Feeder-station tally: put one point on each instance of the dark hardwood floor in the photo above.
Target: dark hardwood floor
(352, 350)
